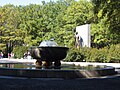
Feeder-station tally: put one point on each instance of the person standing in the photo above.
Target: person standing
(12, 55)
(77, 40)
(1, 55)
(9, 55)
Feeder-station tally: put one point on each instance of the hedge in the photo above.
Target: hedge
(104, 55)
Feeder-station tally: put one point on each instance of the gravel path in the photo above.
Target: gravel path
(109, 83)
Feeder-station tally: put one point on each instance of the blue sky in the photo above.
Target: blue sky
(22, 2)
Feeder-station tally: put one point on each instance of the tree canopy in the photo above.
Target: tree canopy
(29, 25)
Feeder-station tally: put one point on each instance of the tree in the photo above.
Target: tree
(110, 10)
(77, 13)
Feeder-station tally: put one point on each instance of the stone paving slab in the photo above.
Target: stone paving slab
(59, 84)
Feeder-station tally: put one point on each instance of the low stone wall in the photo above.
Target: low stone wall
(57, 73)
(115, 65)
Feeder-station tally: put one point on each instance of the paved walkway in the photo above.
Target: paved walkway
(110, 83)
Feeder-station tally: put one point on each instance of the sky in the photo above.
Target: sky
(22, 2)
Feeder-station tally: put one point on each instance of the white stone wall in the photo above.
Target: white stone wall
(84, 33)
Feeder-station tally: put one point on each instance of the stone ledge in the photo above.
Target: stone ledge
(57, 73)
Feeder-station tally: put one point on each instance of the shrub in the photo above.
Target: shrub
(19, 51)
(114, 54)
(86, 52)
(105, 55)
(93, 55)
(74, 55)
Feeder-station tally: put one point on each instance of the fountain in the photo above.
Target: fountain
(48, 51)
(43, 56)
(28, 70)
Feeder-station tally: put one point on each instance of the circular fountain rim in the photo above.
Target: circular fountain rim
(56, 73)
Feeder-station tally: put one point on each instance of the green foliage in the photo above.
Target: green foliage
(19, 51)
(74, 55)
(114, 54)
(31, 24)
(97, 55)
(104, 55)
(100, 32)
(2, 47)
(109, 11)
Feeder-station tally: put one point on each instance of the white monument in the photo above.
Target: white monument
(84, 33)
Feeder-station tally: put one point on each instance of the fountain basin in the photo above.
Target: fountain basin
(49, 53)
(56, 73)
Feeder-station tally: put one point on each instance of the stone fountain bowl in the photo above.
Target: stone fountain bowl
(48, 51)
